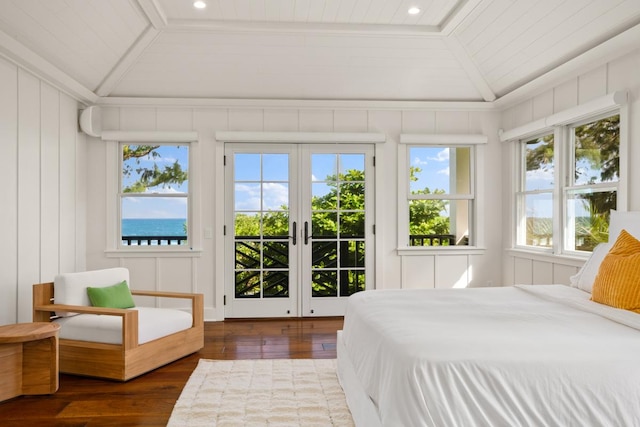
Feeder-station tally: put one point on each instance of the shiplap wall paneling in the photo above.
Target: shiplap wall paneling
(452, 271)
(210, 268)
(522, 271)
(49, 181)
(386, 238)
(71, 224)
(350, 121)
(28, 190)
(9, 177)
(592, 84)
(281, 120)
(315, 120)
(542, 272)
(418, 272)
(246, 119)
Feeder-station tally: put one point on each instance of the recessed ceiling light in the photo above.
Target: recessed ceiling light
(414, 10)
(199, 4)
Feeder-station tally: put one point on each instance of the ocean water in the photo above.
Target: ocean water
(153, 227)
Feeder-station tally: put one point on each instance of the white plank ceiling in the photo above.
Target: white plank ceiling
(471, 50)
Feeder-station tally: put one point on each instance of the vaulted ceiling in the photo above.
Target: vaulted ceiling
(460, 50)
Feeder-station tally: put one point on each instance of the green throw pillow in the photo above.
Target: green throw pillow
(116, 296)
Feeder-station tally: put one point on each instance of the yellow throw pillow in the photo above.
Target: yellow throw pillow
(618, 280)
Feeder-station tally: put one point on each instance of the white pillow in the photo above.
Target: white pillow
(629, 221)
(71, 288)
(587, 275)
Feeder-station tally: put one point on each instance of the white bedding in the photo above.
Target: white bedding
(512, 356)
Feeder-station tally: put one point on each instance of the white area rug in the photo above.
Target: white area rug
(280, 392)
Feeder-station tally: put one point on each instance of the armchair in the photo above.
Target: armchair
(116, 343)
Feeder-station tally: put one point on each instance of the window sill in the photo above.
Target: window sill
(572, 260)
(153, 253)
(441, 250)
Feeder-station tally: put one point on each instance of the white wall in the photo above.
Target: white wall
(205, 273)
(618, 75)
(42, 212)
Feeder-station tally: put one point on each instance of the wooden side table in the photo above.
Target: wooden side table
(28, 359)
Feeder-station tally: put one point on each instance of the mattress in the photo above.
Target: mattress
(153, 323)
(517, 356)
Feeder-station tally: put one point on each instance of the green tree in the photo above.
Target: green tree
(149, 177)
(598, 144)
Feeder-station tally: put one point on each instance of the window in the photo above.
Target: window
(441, 196)
(592, 182)
(154, 194)
(570, 175)
(535, 196)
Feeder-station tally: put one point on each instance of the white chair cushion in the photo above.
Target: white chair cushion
(71, 288)
(153, 323)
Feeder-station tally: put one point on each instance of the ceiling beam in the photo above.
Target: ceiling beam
(154, 13)
(457, 16)
(24, 57)
(304, 27)
(470, 68)
(128, 59)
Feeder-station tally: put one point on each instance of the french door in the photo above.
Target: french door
(299, 235)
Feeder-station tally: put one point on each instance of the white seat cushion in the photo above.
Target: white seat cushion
(153, 323)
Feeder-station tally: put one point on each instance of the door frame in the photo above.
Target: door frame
(351, 138)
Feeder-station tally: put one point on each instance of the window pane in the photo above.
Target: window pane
(276, 167)
(588, 218)
(247, 167)
(538, 220)
(440, 170)
(539, 163)
(154, 221)
(155, 169)
(597, 151)
(439, 222)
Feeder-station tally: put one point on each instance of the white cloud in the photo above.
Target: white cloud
(444, 171)
(443, 156)
(417, 161)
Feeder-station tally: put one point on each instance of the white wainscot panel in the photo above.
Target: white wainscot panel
(456, 122)
(542, 272)
(452, 271)
(176, 275)
(522, 271)
(143, 276)
(565, 96)
(562, 273)
(543, 105)
(592, 85)
(418, 272)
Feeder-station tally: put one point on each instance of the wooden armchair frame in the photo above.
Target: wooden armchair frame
(129, 359)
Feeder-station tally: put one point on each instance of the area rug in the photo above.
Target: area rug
(279, 392)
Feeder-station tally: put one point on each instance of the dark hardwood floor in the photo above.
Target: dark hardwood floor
(148, 400)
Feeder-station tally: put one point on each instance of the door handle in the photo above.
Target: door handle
(294, 238)
(306, 232)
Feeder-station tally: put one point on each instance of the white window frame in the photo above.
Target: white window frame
(114, 246)
(561, 124)
(477, 144)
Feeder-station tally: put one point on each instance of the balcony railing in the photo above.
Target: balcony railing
(153, 240)
(432, 240)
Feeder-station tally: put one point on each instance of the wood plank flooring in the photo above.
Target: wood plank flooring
(149, 399)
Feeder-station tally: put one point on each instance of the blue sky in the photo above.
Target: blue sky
(434, 162)
(274, 174)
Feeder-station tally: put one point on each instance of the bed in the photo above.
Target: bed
(524, 355)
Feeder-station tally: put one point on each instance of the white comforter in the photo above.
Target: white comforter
(512, 356)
